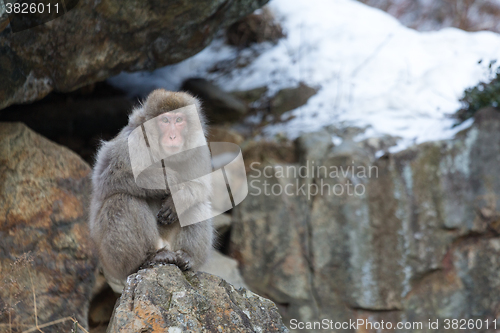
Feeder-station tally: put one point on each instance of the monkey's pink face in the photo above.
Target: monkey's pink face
(172, 127)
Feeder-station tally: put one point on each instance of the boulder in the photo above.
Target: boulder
(291, 98)
(223, 134)
(220, 106)
(417, 237)
(45, 251)
(164, 299)
(252, 95)
(98, 39)
(255, 28)
(104, 299)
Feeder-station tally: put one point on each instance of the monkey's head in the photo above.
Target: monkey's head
(161, 101)
(173, 122)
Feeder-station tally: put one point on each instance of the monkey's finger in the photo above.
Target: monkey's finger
(183, 265)
(163, 212)
(183, 260)
(166, 220)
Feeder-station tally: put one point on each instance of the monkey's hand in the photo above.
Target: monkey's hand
(163, 256)
(167, 214)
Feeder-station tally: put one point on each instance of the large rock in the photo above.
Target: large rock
(97, 39)
(418, 240)
(290, 98)
(44, 248)
(222, 134)
(163, 299)
(255, 28)
(219, 106)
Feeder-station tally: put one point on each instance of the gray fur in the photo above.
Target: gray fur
(123, 216)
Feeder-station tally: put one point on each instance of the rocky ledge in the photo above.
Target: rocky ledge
(164, 299)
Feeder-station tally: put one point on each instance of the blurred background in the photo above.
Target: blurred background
(407, 89)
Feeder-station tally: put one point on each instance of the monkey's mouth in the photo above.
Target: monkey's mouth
(172, 149)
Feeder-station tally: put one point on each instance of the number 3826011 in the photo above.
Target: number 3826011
(31, 8)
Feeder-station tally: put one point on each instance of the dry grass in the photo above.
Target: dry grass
(15, 284)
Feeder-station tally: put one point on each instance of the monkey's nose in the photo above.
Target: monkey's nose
(172, 137)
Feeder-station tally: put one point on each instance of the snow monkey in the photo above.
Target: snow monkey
(135, 224)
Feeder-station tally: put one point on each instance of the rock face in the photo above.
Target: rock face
(434, 15)
(163, 299)
(417, 238)
(97, 39)
(44, 248)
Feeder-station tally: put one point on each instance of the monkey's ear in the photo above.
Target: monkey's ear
(137, 117)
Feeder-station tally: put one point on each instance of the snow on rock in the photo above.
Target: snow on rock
(372, 71)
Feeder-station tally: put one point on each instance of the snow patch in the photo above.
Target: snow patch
(372, 71)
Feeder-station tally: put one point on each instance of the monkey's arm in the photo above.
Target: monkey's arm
(187, 195)
(167, 213)
(190, 193)
(113, 173)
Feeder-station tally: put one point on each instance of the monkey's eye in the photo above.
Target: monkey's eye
(179, 119)
(165, 120)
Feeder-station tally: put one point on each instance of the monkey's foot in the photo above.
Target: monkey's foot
(179, 258)
(167, 214)
(183, 260)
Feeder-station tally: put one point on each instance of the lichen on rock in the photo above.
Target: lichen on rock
(164, 299)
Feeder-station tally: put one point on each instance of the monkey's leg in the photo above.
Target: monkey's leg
(194, 243)
(167, 213)
(128, 234)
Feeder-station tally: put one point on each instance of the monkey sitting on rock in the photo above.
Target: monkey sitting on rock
(136, 225)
